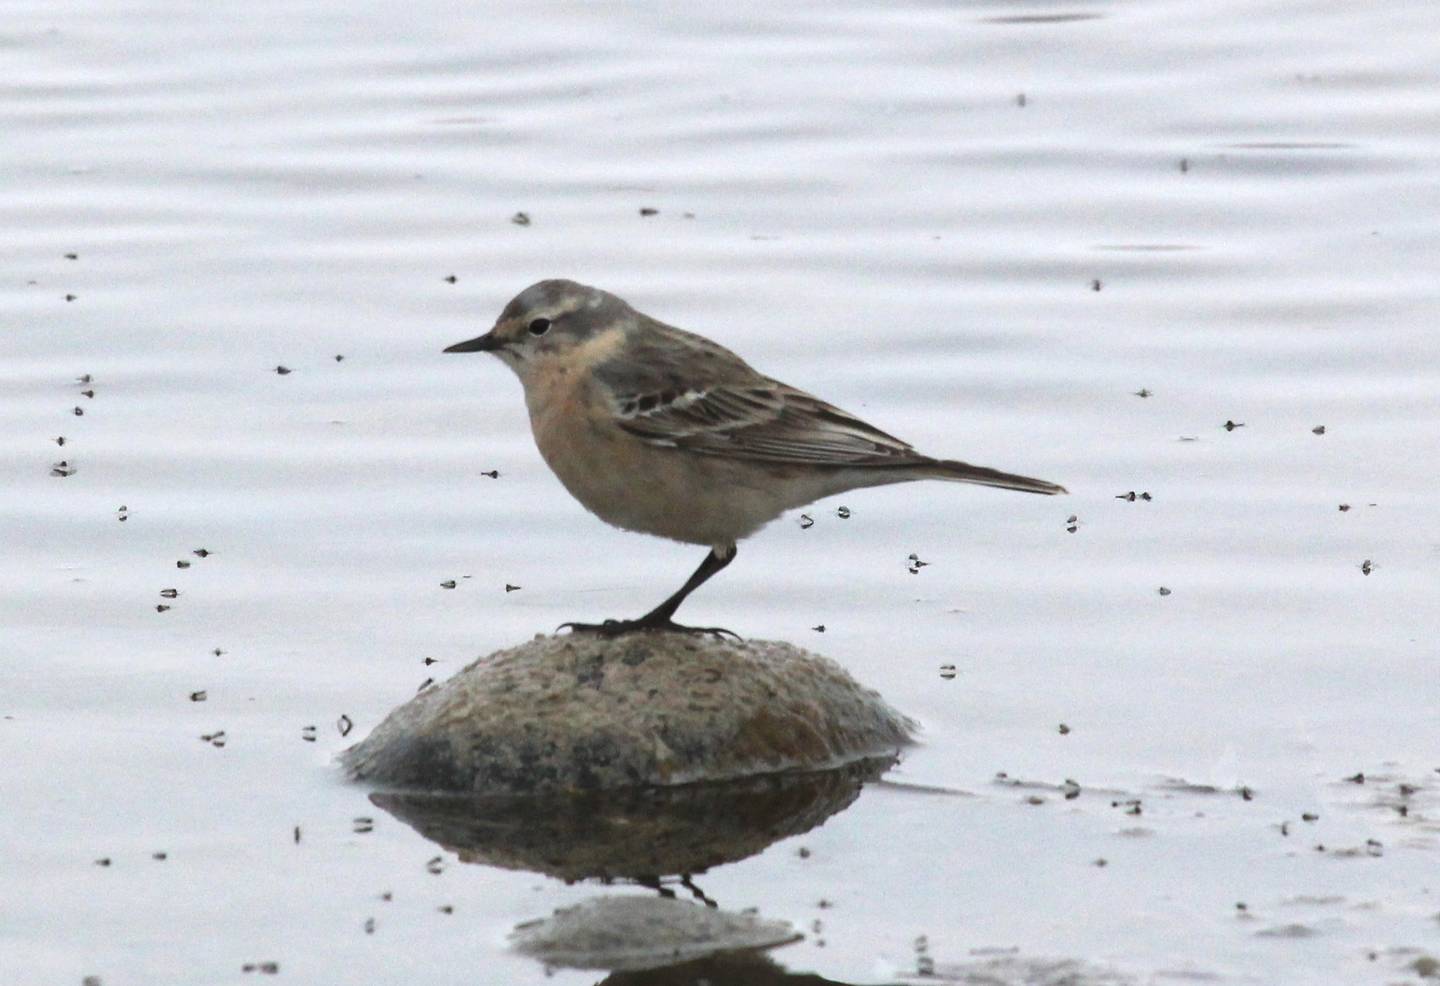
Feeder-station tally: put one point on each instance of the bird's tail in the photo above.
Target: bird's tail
(964, 472)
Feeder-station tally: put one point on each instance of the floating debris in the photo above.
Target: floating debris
(1366, 567)
(1132, 496)
(182, 563)
(425, 684)
(369, 926)
(169, 593)
(1064, 730)
(1184, 165)
(1144, 392)
(59, 440)
(264, 968)
(1164, 591)
(216, 739)
(1344, 507)
(430, 660)
(448, 584)
(339, 357)
(512, 588)
(1020, 100)
(451, 279)
(819, 628)
(161, 608)
(72, 256)
(493, 474)
(160, 857)
(79, 412)
(1232, 425)
(649, 211)
(521, 219)
(199, 696)
(202, 553)
(217, 652)
(1318, 430)
(1096, 284)
(283, 370)
(62, 469)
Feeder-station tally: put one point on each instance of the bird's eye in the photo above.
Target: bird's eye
(540, 326)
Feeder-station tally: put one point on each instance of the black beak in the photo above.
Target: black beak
(480, 344)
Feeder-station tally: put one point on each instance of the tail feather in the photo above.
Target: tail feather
(964, 472)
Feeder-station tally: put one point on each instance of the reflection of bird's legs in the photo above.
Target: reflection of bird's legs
(689, 885)
(653, 882)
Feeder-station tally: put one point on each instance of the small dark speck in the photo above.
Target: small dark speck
(71, 297)
(90, 393)
(512, 588)
(283, 370)
(803, 853)
(307, 733)
(1020, 100)
(521, 219)
(436, 865)
(1064, 730)
(430, 660)
(1247, 793)
(1318, 430)
(201, 553)
(493, 474)
(451, 279)
(649, 211)
(1072, 523)
(297, 835)
(806, 522)
(160, 608)
(344, 724)
(182, 563)
(199, 696)
(843, 513)
(1184, 165)
(78, 412)
(1366, 567)
(169, 593)
(369, 926)
(339, 357)
(425, 684)
(819, 628)
(218, 652)
(1144, 392)
(59, 440)
(1309, 817)
(1356, 778)
(1164, 591)
(160, 857)
(103, 861)
(1096, 284)
(448, 584)
(1232, 425)
(1344, 507)
(85, 378)
(446, 909)
(72, 256)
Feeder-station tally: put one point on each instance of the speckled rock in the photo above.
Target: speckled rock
(628, 933)
(578, 712)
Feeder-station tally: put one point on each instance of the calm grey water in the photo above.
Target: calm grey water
(984, 226)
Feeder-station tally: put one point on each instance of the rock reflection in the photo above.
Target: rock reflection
(643, 834)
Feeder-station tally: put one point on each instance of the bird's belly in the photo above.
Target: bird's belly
(631, 484)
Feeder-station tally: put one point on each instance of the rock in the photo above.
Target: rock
(630, 933)
(579, 712)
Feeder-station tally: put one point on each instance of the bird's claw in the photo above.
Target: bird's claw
(615, 628)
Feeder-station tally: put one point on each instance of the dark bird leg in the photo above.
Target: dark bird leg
(659, 617)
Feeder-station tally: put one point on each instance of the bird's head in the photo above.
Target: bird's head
(550, 324)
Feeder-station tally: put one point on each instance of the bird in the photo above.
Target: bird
(662, 431)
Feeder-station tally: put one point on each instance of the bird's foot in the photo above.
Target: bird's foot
(615, 628)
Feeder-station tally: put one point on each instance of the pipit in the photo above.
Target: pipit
(659, 430)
